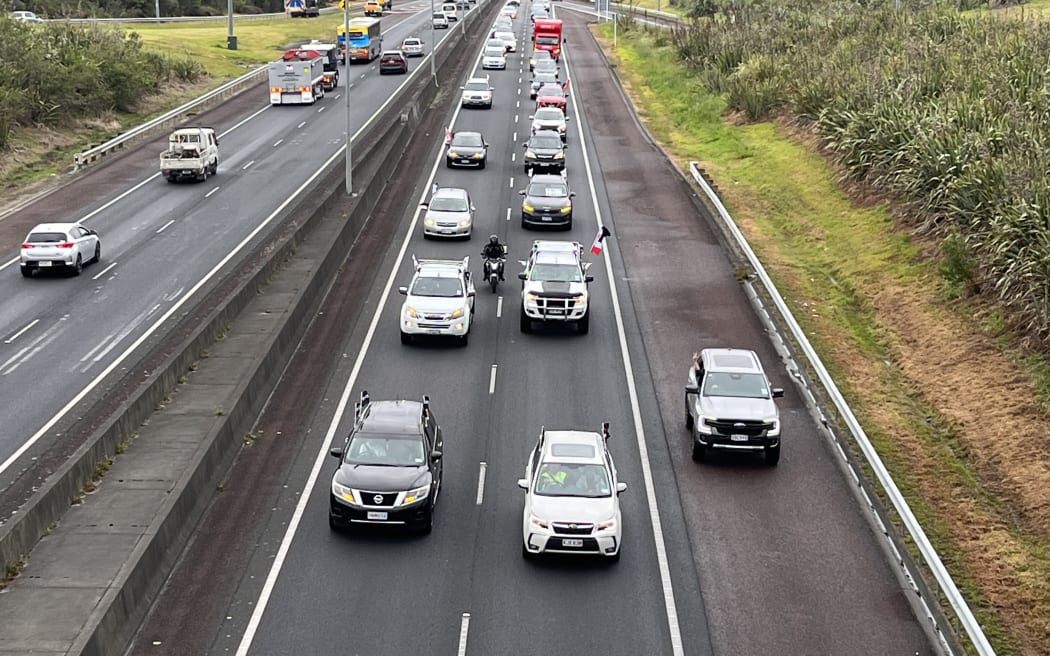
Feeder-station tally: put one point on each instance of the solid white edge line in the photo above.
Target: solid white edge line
(639, 429)
(103, 271)
(322, 454)
(481, 482)
(97, 380)
(138, 186)
(20, 332)
(464, 627)
(499, 307)
(492, 379)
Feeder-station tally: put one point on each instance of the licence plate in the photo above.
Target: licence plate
(377, 515)
(569, 542)
(545, 218)
(433, 331)
(738, 438)
(45, 263)
(464, 161)
(555, 311)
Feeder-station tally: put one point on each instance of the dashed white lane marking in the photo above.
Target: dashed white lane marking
(165, 226)
(512, 182)
(301, 125)
(208, 195)
(499, 307)
(508, 214)
(278, 142)
(103, 271)
(464, 626)
(492, 379)
(321, 110)
(21, 332)
(245, 167)
(481, 482)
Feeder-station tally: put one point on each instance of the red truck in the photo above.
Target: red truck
(546, 35)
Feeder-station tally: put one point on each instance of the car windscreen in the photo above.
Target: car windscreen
(541, 54)
(544, 141)
(439, 287)
(718, 383)
(467, 140)
(548, 114)
(551, 91)
(556, 273)
(548, 190)
(476, 86)
(544, 78)
(46, 237)
(448, 204)
(411, 43)
(494, 52)
(385, 450)
(506, 36)
(547, 40)
(555, 479)
(439, 15)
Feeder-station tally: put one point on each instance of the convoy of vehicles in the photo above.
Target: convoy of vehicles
(297, 78)
(554, 287)
(439, 301)
(365, 40)
(191, 153)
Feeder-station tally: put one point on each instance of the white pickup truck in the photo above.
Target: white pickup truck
(191, 153)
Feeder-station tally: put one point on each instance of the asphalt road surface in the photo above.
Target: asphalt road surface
(160, 240)
(774, 561)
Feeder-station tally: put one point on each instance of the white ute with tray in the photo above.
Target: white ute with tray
(192, 153)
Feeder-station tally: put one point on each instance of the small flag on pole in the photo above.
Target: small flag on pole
(448, 135)
(565, 85)
(596, 247)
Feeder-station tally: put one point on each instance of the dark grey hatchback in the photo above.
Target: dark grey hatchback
(544, 151)
(547, 202)
(389, 466)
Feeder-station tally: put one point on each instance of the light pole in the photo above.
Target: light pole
(231, 40)
(433, 44)
(346, 92)
(158, 8)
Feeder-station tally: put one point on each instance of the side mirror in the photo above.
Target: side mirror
(435, 455)
(572, 194)
(403, 291)
(523, 484)
(461, 88)
(530, 117)
(692, 389)
(337, 452)
(471, 293)
(522, 276)
(521, 193)
(588, 278)
(621, 487)
(424, 205)
(568, 118)
(473, 209)
(525, 144)
(778, 393)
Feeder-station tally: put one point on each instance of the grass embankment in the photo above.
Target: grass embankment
(43, 153)
(931, 385)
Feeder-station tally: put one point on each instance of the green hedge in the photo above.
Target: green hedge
(947, 112)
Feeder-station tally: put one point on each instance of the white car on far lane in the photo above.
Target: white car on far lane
(572, 496)
(67, 246)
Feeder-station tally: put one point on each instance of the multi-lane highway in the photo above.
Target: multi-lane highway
(163, 245)
(776, 561)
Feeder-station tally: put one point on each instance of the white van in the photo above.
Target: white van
(449, 9)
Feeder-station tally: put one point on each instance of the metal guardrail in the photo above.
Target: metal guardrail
(231, 88)
(183, 19)
(915, 533)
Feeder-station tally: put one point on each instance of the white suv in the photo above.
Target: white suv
(440, 300)
(67, 246)
(572, 496)
(477, 92)
(554, 287)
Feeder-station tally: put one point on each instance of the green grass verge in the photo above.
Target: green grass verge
(791, 198)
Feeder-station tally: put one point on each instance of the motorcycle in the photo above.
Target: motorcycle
(492, 268)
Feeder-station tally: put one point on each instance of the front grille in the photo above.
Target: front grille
(546, 304)
(434, 317)
(749, 427)
(573, 529)
(369, 498)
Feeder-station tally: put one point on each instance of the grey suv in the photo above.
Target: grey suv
(729, 405)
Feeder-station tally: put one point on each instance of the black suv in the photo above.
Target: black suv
(544, 151)
(389, 467)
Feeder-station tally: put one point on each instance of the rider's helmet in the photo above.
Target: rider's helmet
(493, 239)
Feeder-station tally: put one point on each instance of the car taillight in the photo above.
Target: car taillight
(304, 89)
(66, 244)
(275, 89)
(27, 245)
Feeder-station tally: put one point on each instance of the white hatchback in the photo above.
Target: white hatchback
(450, 213)
(572, 496)
(494, 58)
(67, 246)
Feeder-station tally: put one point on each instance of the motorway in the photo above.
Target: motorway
(726, 558)
(163, 245)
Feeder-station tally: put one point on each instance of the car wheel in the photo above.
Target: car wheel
(332, 524)
(26, 272)
(699, 451)
(524, 224)
(448, 163)
(773, 455)
(568, 226)
(482, 165)
(427, 527)
(525, 323)
(171, 178)
(583, 326)
(688, 418)
(78, 267)
(464, 339)
(615, 558)
(406, 338)
(98, 253)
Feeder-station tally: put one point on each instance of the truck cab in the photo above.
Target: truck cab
(191, 153)
(546, 35)
(330, 52)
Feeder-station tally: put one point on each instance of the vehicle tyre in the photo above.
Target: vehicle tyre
(171, 178)
(482, 165)
(406, 338)
(615, 558)
(525, 322)
(427, 527)
(215, 167)
(688, 418)
(26, 272)
(464, 339)
(568, 226)
(333, 525)
(773, 455)
(583, 326)
(98, 253)
(448, 163)
(699, 452)
(524, 224)
(78, 267)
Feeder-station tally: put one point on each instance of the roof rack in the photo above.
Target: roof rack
(463, 264)
(360, 406)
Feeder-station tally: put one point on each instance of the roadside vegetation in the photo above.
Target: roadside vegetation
(143, 8)
(889, 169)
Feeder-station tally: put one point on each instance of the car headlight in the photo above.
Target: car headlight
(704, 425)
(477, 155)
(561, 128)
(416, 495)
(455, 314)
(538, 521)
(532, 298)
(343, 492)
(527, 207)
(606, 525)
(453, 153)
(566, 209)
(776, 425)
(579, 299)
(559, 155)
(427, 221)
(411, 311)
(529, 153)
(463, 223)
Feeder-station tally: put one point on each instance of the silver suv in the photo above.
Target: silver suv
(477, 92)
(440, 300)
(729, 405)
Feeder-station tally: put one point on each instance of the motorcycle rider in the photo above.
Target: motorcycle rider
(495, 251)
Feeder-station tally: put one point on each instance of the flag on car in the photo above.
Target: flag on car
(565, 85)
(596, 247)
(448, 135)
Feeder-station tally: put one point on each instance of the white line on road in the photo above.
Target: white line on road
(464, 626)
(165, 226)
(492, 379)
(512, 182)
(320, 110)
(322, 454)
(103, 271)
(499, 307)
(639, 429)
(301, 124)
(508, 214)
(514, 139)
(208, 195)
(278, 142)
(481, 482)
(87, 356)
(517, 104)
(513, 157)
(245, 167)
(20, 332)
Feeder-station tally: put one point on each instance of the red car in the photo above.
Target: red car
(550, 95)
